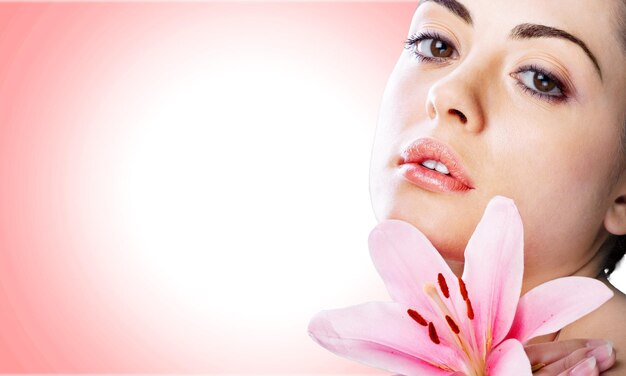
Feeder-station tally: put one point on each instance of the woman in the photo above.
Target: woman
(524, 99)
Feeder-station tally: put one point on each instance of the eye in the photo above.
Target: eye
(436, 47)
(430, 46)
(541, 83)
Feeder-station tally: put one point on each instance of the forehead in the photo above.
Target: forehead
(576, 12)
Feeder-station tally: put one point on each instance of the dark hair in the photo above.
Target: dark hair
(615, 255)
(618, 249)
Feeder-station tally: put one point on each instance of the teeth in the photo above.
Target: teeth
(430, 164)
(442, 168)
(437, 166)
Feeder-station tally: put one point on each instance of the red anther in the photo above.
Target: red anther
(432, 333)
(470, 311)
(417, 317)
(452, 324)
(443, 285)
(463, 289)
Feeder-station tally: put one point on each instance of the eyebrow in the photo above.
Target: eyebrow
(522, 31)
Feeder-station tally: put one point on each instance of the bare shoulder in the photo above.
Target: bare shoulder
(607, 322)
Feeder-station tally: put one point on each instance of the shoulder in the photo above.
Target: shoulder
(607, 322)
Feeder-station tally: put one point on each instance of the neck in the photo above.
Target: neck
(456, 266)
(592, 267)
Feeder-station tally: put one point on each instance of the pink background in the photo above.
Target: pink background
(100, 268)
(73, 83)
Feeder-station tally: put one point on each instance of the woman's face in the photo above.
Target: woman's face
(536, 117)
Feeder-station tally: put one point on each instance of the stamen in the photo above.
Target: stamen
(470, 311)
(438, 304)
(443, 285)
(463, 289)
(417, 317)
(432, 333)
(431, 291)
(452, 324)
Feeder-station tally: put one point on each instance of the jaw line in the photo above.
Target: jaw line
(455, 265)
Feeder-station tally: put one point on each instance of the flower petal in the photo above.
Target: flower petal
(508, 358)
(406, 260)
(382, 335)
(494, 266)
(555, 304)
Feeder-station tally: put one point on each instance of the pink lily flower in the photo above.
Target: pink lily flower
(439, 324)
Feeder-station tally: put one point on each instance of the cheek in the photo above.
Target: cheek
(399, 113)
(560, 232)
(561, 192)
(404, 99)
(402, 114)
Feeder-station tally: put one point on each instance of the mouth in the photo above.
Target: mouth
(434, 166)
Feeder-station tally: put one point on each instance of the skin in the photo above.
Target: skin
(560, 161)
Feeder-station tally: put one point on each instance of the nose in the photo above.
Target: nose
(454, 99)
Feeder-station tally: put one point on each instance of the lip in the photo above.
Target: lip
(423, 149)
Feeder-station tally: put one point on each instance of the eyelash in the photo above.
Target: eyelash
(558, 82)
(412, 41)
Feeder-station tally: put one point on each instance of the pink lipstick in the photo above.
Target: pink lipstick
(434, 166)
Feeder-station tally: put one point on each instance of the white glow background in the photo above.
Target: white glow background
(184, 185)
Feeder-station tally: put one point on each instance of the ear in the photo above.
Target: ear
(615, 218)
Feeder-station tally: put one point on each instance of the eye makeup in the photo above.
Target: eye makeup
(540, 76)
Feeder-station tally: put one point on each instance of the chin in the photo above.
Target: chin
(431, 213)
